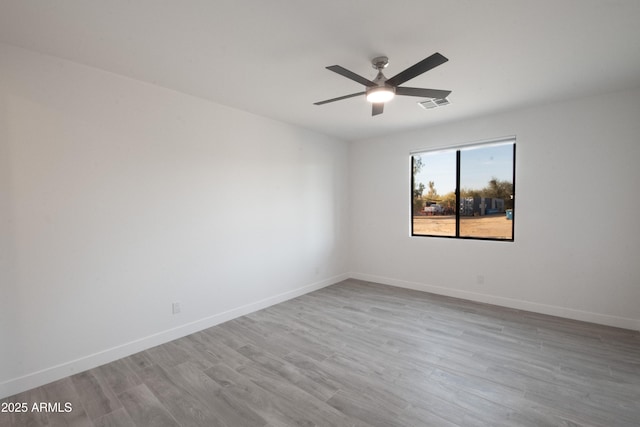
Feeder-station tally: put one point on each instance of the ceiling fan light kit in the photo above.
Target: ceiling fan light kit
(380, 94)
(381, 89)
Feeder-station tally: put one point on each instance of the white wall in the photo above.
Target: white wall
(119, 198)
(577, 239)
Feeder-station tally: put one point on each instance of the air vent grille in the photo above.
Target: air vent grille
(433, 103)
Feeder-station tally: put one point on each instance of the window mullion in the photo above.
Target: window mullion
(458, 193)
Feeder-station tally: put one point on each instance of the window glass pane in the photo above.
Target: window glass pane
(433, 193)
(486, 192)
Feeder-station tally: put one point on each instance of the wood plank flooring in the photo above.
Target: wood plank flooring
(363, 354)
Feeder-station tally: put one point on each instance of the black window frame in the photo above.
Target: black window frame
(458, 149)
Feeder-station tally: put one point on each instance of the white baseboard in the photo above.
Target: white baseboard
(54, 373)
(568, 313)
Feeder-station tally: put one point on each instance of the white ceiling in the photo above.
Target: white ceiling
(268, 57)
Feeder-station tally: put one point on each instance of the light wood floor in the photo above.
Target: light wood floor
(362, 354)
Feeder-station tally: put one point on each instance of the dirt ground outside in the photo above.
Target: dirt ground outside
(488, 226)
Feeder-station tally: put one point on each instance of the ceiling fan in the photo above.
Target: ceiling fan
(381, 89)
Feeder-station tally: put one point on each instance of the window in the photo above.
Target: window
(465, 192)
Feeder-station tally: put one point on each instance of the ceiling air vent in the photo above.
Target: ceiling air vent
(433, 103)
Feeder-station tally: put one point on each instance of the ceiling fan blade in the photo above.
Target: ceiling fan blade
(351, 75)
(377, 108)
(423, 93)
(417, 69)
(338, 99)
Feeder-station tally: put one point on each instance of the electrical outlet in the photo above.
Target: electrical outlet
(175, 307)
(480, 279)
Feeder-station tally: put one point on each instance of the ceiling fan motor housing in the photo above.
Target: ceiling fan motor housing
(382, 92)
